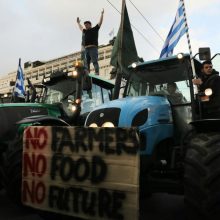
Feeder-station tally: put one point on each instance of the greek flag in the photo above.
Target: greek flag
(19, 90)
(177, 30)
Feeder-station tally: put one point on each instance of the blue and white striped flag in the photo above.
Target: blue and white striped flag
(177, 30)
(19, 90)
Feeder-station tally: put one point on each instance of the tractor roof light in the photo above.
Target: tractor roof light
(134, 65)
(5, 95)
(73, 73)
(46, 79)
(208, 92)
(78, 64)
(180, 56)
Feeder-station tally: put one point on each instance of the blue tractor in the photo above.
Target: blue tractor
(179, 149)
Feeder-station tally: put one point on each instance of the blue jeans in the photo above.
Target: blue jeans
(92, 56)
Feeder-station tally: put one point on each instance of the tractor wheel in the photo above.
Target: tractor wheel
(12, 168)
(202, 177)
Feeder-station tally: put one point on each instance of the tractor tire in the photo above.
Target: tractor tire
(202, 177)
(12, 169)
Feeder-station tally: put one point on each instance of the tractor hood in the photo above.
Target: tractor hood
(132, 111)
(23, 104)
(11, 113)
(37, 108)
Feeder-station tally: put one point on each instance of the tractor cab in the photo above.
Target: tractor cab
(73, 91)
(170, 78)
(78, 95)
(61, 89)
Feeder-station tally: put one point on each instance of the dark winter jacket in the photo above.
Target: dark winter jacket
(211, 81)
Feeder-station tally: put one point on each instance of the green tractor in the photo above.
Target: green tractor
(179, 149)
(59, 101)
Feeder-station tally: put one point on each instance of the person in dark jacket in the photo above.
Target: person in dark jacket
(209, 79)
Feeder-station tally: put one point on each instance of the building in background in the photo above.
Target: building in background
(36, 70)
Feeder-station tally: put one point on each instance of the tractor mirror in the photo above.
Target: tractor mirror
(204, 53)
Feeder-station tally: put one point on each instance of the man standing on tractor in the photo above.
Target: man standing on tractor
(209, 90)
(91, 42)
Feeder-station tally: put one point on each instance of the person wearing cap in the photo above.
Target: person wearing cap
(91, 42)
(174, 95)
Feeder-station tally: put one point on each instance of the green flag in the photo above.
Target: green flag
(124, 51)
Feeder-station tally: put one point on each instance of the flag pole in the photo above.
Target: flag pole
(196, 89)
(188, 40)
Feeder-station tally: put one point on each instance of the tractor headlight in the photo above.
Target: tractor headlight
(73, 73)
(108, 124)
(208, 92)
(46, 79)
(93, 125)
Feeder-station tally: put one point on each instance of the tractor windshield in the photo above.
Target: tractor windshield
(60, 91)
(177, 92)
(96, 96)
(101, 92)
